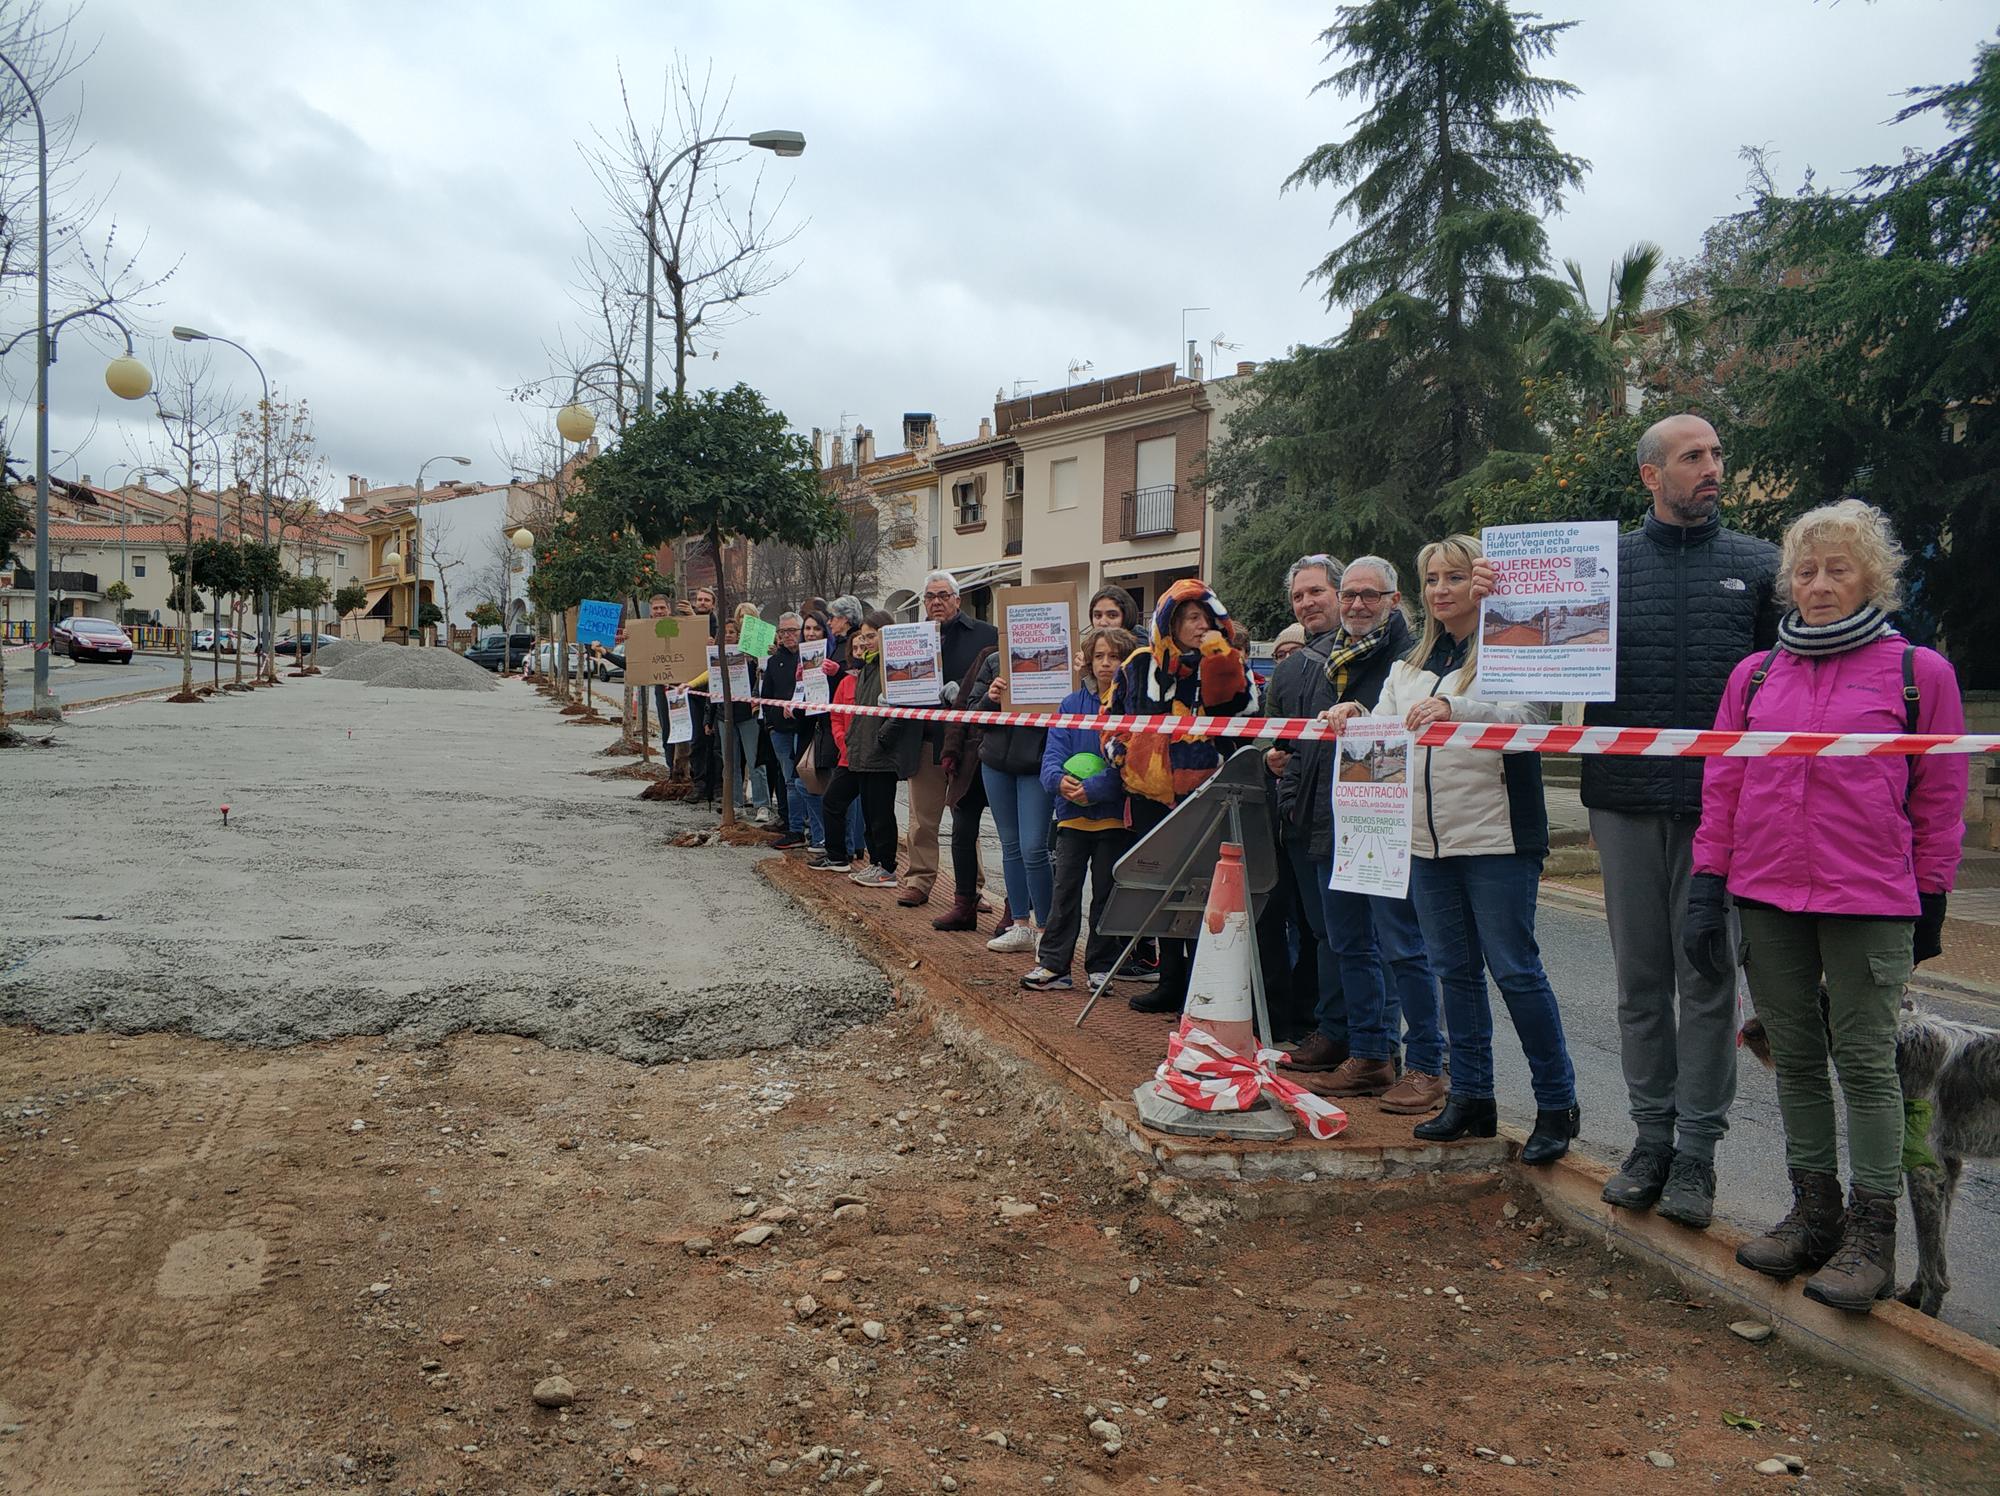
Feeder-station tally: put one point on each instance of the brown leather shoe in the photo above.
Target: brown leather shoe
(1318, 1053)
(1358, 1077)
(911, 897)
(1415, 1094)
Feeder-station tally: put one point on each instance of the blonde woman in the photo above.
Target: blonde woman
(1480, 832)
(1839, 869)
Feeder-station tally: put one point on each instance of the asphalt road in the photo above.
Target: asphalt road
(1752, 1187)
(74, 682)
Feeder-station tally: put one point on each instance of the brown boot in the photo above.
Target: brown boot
(1863, 1267)
(962, 915)
(1318, 1052)
(913, 897)
(1006, 920)
(1355, 1076)
(1804, 1240)
(1415, 1094)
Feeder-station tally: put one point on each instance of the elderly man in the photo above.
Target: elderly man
(1693, 599)
(960, 638)
(1385, 979)
(1308, 1002)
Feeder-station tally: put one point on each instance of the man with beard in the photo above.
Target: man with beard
(1693, 599)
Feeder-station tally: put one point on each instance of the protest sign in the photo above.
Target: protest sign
(739, 676)
(911, 674)
(680, 719)
(1037, 643)
(1371, 808)
(1549, 629)
(756, 637)
(597, 623)
(813, 688)
(664, 651)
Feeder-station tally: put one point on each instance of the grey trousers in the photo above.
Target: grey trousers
(1676, 1028)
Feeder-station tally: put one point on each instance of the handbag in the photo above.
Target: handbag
(821, 758)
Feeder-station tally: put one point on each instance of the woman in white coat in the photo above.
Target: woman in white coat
(1480, 832)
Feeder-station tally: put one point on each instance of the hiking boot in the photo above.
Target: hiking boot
(1551, 1138)
(962, 915)
(1005, 921)
(1863, 1267)
(1355, 1076)
(1804, 1240)
(1415, 1094)
(1462, 1117)
(1318, 1053)
(1689, 1197)
(1639, 1180)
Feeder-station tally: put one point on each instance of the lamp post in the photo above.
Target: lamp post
(126, 377)
(417, 545)
(266, 618)
(522, 540)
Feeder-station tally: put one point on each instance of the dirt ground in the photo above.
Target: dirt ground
(347, 1265)
(341, 1248)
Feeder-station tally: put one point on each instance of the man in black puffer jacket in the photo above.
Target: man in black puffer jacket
(1693, 600)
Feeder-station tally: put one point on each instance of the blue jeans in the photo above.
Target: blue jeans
(1313, 873)
(1409, 993)
(801, 804)
(1478, 915)
(1022, 815)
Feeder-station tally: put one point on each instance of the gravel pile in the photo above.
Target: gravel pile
(431, 670)
(364, 661)
(331, 655)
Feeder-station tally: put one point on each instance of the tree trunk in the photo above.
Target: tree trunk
(236, 617)
(725, 730)
(187, 593)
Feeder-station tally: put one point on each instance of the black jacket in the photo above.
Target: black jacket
(1305, 792)
(1692, 601)
(960, 639)
(781, 677)
(1005, 750)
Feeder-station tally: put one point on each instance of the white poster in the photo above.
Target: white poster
(1549, 629)
(1040, 652)
(911, 674)
(680, 721)
(1371, 808)
(811, 689)
(739, 676)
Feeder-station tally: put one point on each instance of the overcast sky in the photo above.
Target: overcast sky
(384, 201)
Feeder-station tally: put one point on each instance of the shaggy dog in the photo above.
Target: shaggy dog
(1950, 1074)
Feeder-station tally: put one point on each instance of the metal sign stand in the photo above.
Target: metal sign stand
(1190, 836)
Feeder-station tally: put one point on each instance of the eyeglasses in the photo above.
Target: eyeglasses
(789, 629)
(1366, 596)
(939, 597)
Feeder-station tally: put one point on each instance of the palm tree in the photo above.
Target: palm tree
(1594, 352)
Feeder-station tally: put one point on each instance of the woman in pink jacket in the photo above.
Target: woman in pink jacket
(1838, 867)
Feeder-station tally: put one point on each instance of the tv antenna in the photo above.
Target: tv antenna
(1079, 366)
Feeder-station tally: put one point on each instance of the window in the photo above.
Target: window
(1062, 484)
(138, 566)
(966, 499)
(340, 558)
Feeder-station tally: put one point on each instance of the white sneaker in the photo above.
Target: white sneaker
(1022, 935)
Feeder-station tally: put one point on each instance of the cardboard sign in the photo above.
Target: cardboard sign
(597, 623)
(1037, 643)
(665, 651)
(756, 638)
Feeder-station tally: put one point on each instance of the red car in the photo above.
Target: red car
(94, 639)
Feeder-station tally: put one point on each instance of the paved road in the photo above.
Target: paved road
(76, 682)
(1752, 1186)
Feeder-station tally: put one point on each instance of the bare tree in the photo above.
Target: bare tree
(781, 575)
(193, 425)
(443, 554)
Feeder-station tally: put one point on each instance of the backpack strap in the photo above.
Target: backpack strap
(1757, 678)
(1912, 697)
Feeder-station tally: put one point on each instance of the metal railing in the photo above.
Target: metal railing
(1147, 511)
(1012, 527)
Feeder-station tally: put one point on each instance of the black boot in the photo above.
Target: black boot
(1553, 1131)
(1462, 1117)
(1642, 1176)
(1863, 1267)
(1155, 1001)
(1806, 1237)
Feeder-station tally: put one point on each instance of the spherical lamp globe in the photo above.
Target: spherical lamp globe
(127, 378)
(575, 422)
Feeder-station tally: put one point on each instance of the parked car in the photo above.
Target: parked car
(305, 644)
(230, 642)
(497, 649)
(94, 639)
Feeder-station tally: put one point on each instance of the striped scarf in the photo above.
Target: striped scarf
(1864, 625)
(1345, 656)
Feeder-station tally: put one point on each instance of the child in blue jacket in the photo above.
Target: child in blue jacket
(1092, 830)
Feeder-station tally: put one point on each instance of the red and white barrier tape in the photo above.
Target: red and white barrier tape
(1617, 742)
(20, 648)
(1206, 1075)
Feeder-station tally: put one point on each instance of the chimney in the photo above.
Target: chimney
(864, 445)
(819, 447)
(985, 428)
(1193, 361)
(837, 450)
(1245, 366)
(916, 430)
(354, 485)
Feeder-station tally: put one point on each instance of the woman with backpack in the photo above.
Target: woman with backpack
(1838, 868)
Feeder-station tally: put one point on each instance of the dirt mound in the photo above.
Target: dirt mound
(432, 670)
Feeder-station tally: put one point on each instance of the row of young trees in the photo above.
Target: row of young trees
(1842, 342)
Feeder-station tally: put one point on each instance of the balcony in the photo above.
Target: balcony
(1011, 527)
(1147, 511)
(72, 582)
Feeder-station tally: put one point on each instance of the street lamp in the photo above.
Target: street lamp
(417, 545)
(266, 617)
(522, 540)
(124, 375)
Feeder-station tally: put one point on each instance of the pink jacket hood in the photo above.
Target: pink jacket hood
(1826, 835)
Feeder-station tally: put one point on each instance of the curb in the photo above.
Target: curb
(1947, 1368)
